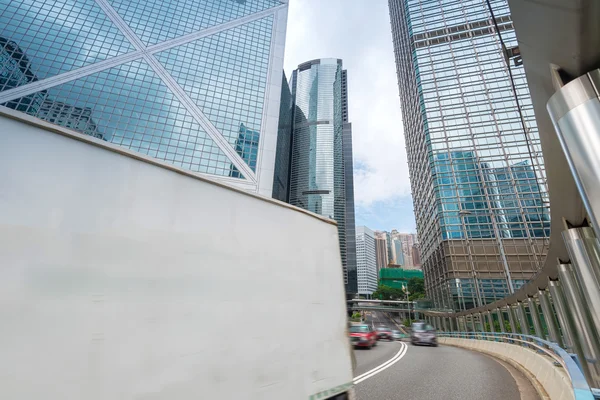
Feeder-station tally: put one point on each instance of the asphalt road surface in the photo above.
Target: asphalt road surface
(426, 373)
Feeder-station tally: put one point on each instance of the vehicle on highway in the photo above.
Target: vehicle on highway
(383, 332)
(397, 335)
(423, 333)
(363, 336)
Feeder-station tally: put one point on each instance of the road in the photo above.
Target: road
(424, 373)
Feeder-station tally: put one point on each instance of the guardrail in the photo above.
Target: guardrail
(581, 389)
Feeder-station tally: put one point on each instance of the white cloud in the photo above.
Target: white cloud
(358, 31)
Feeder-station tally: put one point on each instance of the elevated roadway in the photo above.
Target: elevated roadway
(442, 372)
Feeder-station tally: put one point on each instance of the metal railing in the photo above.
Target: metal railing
(581, 389)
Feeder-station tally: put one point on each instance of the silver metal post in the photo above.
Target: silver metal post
(481, 322)
(491, 321)
(564, 316)
(575, 113)
(522, 318)
(584, 249)
(500, 315)
(549, 317)
(512, 319)
(535, 317)
(584, 333)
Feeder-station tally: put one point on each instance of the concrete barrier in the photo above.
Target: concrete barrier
(552, 378)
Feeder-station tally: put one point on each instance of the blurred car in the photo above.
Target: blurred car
(397, 335)
(423, 333)
(363, 336)
(383, 332)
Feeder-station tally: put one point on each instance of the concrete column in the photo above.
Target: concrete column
(586, 335)
(549, 317)
(500, 316)
(535, 317)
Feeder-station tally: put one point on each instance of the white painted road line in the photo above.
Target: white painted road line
(384, 366)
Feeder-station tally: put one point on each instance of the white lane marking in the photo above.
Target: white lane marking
(384, 366)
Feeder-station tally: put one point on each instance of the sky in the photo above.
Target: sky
(358, 32)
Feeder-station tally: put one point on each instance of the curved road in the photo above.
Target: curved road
(442, 372)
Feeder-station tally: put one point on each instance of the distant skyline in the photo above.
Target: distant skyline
(318, 29)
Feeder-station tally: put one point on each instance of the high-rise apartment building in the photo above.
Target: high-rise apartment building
(381, 251)
(366, 261)
(192, 83)
(476, 170)
(315, 147)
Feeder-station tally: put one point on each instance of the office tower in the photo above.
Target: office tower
(283, 154)
(321, 157)
(381, 251)
(416, 255)
(366, 261)
(193, 83)
(399, 252)
(390, 248)
(475, 165)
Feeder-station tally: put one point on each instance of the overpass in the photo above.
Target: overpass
(381, 305)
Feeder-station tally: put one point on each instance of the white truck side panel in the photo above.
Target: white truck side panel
(122, 279)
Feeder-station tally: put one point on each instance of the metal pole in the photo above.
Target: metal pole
(472, 262)
(564, 316)
(549, 317)
(452, 324)
(584, 249)
(511, 288)
(500, 315)
(535, 317)
(575, 113)
(522, 318)
(586, 336)
(491, 321)
(512, 319)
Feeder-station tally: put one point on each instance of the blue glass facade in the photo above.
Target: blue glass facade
(315, 146)
(191, 89)
(477, 176)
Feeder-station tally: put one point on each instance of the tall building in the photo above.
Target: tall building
(320, 164)
(399, 251)
(416, 255)
(381, 254)
(476, 171)
(198, 89)
(366, 261)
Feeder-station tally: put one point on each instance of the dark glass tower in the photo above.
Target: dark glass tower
(476, 170)
(320, 161)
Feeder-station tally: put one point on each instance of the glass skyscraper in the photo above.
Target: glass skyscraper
(315, 149)
(366, 260)
(476, 170)
(194, 83)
